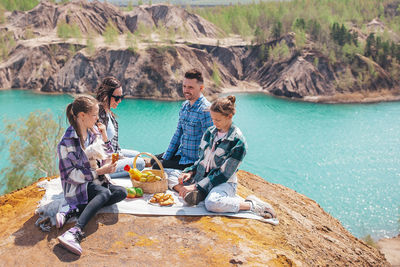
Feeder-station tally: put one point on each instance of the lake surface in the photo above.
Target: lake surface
(345, 157)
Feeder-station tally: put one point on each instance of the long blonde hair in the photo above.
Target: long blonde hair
(85, 104)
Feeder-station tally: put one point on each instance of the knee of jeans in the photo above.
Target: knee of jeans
(213, 203)
(123, 193)
(106, 194)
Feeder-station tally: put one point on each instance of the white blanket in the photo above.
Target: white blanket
(53, 201)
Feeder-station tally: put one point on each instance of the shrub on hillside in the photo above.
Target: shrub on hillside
(65, 31)
(31, 144)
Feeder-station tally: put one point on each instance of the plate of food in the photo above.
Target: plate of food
(162, 199)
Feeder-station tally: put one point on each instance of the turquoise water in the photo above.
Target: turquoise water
(346, 157)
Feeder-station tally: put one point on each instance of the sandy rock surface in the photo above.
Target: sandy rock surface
(306, 236)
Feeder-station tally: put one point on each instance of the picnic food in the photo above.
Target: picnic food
(134, 173)
(131, 192)
(144, 177)
(163, 199)
(114, 157)
(134, 192)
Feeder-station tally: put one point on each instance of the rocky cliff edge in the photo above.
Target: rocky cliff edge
(306, 236)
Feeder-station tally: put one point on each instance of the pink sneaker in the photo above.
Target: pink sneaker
(71, 240)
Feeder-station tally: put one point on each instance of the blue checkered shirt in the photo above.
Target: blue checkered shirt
(193, 122)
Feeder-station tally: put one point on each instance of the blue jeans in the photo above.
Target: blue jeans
(98, 197)
(128, 156)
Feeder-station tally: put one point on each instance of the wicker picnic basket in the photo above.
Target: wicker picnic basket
(152, 187)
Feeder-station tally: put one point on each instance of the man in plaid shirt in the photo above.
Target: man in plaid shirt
(194, 119)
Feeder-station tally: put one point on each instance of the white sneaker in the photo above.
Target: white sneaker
(71, 240)
(260, 207)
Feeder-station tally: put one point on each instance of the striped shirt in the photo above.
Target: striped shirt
(228, 155)
(74, 166)
(193, 122)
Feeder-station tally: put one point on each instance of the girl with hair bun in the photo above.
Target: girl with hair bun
(83, 196)
(213, 176)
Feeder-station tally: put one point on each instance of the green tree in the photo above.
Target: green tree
(370, 46)
(314, 29)
(277, 30)
(300, 23)
(32, 146)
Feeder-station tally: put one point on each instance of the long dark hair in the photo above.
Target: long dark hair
(106, 90)
(85, 104)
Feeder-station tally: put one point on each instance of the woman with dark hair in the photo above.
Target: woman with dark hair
(110, 94)
(213, 176)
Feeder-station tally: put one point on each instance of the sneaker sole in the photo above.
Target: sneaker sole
(193, 198)
(190, 198)
(66, 245)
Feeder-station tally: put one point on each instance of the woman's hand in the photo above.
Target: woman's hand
(107, 168)
(102, 130)
(184, 177)
(186, 189)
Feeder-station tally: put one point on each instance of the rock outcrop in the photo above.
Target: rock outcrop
(305, 236)
(154, 68)
(93, 17)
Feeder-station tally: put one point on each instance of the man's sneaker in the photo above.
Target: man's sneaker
(71, 240)
(260, 207)
(194, 197)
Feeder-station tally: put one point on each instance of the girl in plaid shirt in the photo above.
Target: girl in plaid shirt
(213, 176)
(82, 195)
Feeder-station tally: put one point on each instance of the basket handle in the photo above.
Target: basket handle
(152, 156)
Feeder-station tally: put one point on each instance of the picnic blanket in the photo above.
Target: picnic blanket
(53, 201)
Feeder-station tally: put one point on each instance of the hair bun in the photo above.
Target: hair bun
(231, 98)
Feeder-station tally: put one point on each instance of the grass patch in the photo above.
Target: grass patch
(66, 31)
(111, 33)
(7, 42)
(370, 241)
(22, 5)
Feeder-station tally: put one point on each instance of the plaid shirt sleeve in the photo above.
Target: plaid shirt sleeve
(175, 141)
(206, 121)
(72, 169)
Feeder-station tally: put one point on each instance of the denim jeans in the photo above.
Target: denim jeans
(128, 155)
(222, 198)
(98, 197)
